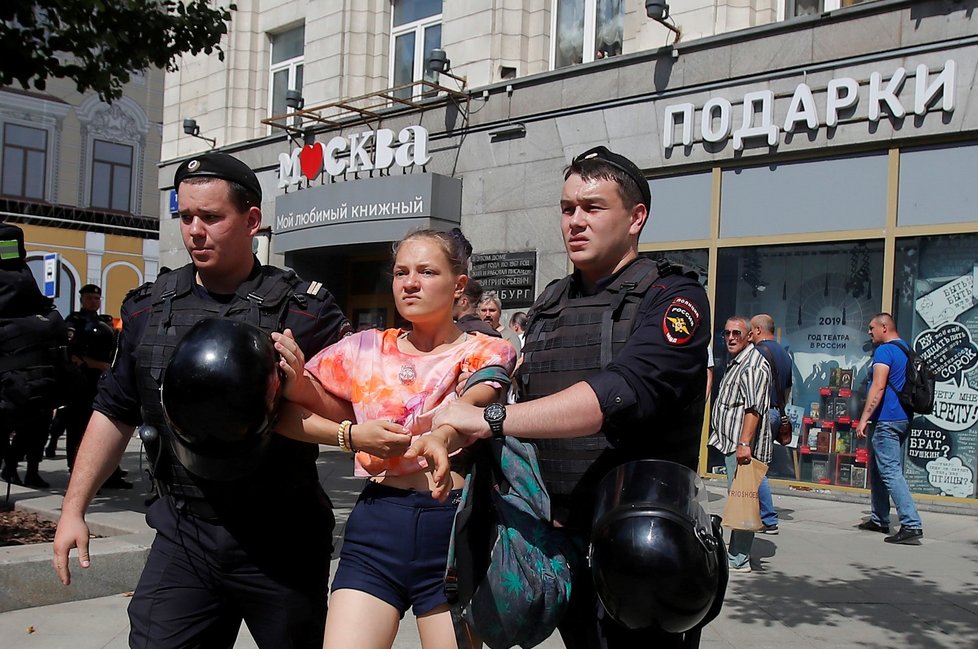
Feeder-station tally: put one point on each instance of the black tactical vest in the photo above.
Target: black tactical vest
(568, 339)
(174, 308)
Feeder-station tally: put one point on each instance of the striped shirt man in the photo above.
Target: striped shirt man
(745, 386)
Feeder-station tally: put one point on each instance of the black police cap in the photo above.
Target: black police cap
(90, 288)
(218, 165)
(620, 162)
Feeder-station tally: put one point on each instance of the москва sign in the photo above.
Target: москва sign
(366, 151)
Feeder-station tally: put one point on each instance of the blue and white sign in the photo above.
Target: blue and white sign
(174, 206)
(52, 271)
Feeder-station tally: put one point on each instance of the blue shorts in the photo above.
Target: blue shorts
(396, 546)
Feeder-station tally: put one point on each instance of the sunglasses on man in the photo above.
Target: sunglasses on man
(733, 333)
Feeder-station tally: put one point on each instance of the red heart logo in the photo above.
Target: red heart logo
(311, 160)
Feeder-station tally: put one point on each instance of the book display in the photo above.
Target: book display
(830, 453)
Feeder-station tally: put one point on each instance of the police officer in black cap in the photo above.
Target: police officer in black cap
(614, 370)
(253, 546)
(91, 345)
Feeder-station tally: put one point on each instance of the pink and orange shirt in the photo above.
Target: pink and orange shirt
(382, 382)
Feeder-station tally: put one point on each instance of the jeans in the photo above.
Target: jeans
(768, 515)
(738, 550)
(887, 480)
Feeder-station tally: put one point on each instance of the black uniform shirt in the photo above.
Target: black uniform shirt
(662, 367)
(319, 324)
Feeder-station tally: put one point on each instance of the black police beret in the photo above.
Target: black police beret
(620, 162)
(218, 165)
(90, 288)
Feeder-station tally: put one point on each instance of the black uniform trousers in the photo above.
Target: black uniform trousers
(30, 434)
(78, 409)
(203, 578)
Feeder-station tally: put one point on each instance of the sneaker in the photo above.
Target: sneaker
(906, 536)
(873, 526)
(769, 529)
(744, 568)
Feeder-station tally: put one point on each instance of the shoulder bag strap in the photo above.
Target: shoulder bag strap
(763, 351)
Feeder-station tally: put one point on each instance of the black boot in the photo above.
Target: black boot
(51, 450)
(33, 479)
(9, 474)
(116, 481)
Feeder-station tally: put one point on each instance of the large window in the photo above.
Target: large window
(415, 31)
(24, 161)
(111, 175)
(586, 30)
(934, 308)
(821, 296)
(288, 51)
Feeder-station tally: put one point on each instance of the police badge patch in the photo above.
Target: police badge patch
(681, 321)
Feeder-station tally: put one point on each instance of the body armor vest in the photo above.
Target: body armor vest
(174, 308)
(568, 339)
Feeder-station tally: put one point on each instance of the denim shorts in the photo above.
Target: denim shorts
(396, 546)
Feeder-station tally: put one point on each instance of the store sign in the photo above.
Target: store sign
(512, 275)
(759, 120)
(380, 149)
(365, 210)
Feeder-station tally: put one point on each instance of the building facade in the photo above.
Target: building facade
(80, 177)
(811, 160)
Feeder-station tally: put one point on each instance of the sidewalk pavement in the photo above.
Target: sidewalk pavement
(819, 583)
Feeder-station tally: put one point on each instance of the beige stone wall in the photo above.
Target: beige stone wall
(347, 54)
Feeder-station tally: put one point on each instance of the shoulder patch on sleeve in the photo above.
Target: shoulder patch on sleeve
(140, 292)
(680, 322)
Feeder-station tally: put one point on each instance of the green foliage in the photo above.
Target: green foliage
(99, 43)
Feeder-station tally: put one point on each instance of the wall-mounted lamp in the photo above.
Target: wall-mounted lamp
(294, 100)
(439, 63)
(512, 131)
(658, 10)
(190, 128)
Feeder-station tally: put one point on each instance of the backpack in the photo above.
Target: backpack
(917, 394)
(33, 338)
(508, 576)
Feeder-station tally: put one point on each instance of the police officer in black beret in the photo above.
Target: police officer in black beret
(255, 547)
(637, 391)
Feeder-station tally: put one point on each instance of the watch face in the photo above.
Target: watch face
(495, 412)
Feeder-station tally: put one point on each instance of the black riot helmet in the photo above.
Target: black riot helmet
(94, 339)
(220, 394)
(656, 557)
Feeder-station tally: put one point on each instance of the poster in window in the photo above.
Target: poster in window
(937, 295)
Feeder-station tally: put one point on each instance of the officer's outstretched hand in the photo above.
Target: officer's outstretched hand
(72, 533)
(292, 363)
(380, 438)
(433, 447)
(466, 419)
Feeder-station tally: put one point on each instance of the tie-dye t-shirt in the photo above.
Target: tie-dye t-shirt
(382, 382)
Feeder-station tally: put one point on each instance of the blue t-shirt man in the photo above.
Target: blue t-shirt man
(892, 356)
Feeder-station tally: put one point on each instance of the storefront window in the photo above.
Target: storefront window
(697, 260)
(821, 296)
(934, 307)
